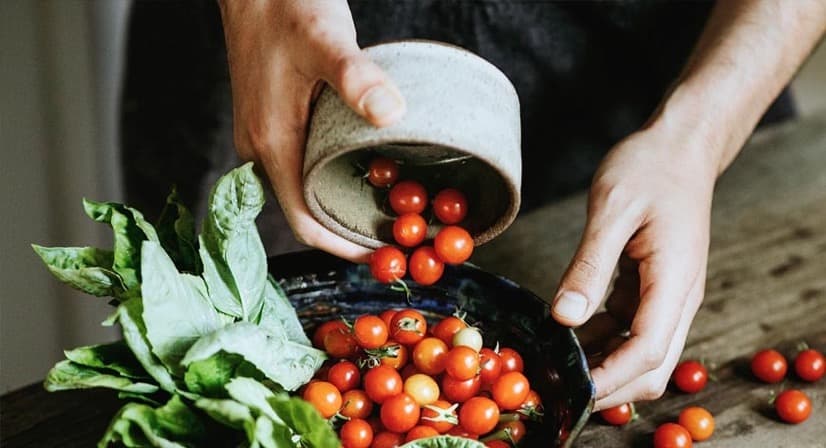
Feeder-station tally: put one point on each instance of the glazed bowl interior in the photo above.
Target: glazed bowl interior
(322, 287)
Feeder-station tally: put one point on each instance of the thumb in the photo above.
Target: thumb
(362, 85)
(585, 281)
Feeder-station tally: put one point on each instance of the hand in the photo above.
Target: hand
(649, 202)
(279, 53)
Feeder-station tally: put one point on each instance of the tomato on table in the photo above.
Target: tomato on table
(793, 406)
(409, 230)
(769, 366)
(510, 390)
(430, 356)
(382, 172)
(381, 383)
(400, 413)
(408, 196)
(479, 415)
(690, 376)
(370, 331)
(453, 245)
(462, 362)
(356, 433)
(810, 365)
(450, 206)
(447, 328)
(698, 421)
(425, 266)
(324, 397)
(388, 264)
(422, 388)
(672, 435)
(408, 326)
(344, 375)
(356, 404)
(618, 415)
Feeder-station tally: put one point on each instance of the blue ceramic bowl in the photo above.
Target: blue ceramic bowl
(322, 287)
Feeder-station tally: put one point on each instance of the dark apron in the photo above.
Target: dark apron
(587, 73)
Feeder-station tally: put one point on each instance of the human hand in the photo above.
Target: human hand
(279, 53)
(650, 203)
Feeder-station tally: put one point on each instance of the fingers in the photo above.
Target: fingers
(609, 227)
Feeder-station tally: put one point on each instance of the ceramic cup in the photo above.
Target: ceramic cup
(461, 130)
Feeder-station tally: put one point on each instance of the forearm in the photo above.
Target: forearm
(749, 50)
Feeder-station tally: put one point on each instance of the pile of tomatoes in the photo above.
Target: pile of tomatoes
(697, 424)
(391, 379)
(409, 200)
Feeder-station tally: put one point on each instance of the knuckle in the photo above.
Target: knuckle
(585, 266)
(317, 28)
(348, 69)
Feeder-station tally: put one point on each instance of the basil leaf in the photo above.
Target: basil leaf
(305, 421)
(114, 356)
(176, 310)
(272, 435)
(254, 395)
(172, 425)
(444, 442)
(289, 364)
(232, 245)
(134, 332)
(279, 312)
(207, 377)
(67, 375)
(176, 232)
(87, 269)
(228, 412)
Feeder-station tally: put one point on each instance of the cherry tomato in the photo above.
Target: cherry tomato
(399, 360)
(532, 406)
(430, 356)
(453, 245)
(387, 439)
(450, 206)
(387, 317)
(458, 431)
(515, 429)
(698, 422)
(420, 432)
(326, 327)
(690, 376)
(344, 375)
(324, 397)
(793, 406)
(422, 388)
(810, 365)
(425, 266)
(356, 433)
(408, 196)
(510, 390)
(440, 415)
(340, 344)
(408, 327)
(490, 366)
(671, 435)
(370, 331)
(462, 363)
(356, 404)
(448, 327)
(511, 360)
(400, 413)
(381, 383)
(479, 415)
(388, 264)
(769, 366)
(497, 444)
(468, 337)
(410, 229)
(383, 172)
(458, 391)
(618, 415)
(408, 371)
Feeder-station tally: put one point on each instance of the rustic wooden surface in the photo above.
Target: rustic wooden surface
(766, 288)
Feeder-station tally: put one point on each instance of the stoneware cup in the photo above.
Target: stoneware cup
(461, 130)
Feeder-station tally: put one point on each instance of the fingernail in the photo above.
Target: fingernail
(571, 305)
(382, 102)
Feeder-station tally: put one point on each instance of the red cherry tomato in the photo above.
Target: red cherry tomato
(457, 391)
(458, 431)
(497, 444)
(356, 433)
(810, 365)
(698, 421)
(769, 366)
(511, 360)
(462, 363)
(408, 371)
(387, 316)
(388, 264)
(408, 327)
(409, 230)
(340, 344)
(793, 406)
(453, 245)
(356, 404)
(618, 415)
(326, 327)
(450, 206)
(671, 435)
(690, 377)
(430, 355)
(324, 397)
(370, 331)
(425, 266)
(479, 415)
(420, 432)
(440, 415)
(383, 172)
(515, 429)
(490, 365)
(344, 375)
(381, 383)
(532, 405)
(447, 328)
(387, 439)
(400, 413)
(399, 360)
(408, 196)
(510, 390)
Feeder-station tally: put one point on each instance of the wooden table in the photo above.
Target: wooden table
(766, 288)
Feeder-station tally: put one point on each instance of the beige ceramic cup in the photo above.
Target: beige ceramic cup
(461, 130)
